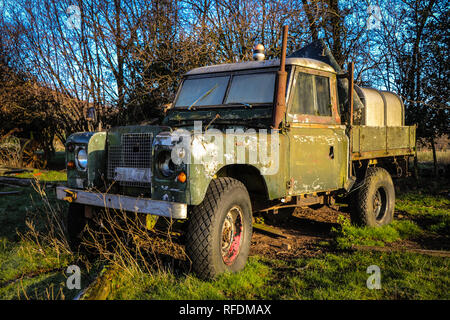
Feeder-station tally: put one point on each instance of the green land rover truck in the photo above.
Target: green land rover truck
(240, 138)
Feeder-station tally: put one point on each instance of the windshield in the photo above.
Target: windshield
(196, 91)
(244, 89)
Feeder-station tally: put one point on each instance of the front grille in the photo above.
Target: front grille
(130, 162)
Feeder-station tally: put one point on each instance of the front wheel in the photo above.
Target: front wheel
(220, 229)
(373, 204)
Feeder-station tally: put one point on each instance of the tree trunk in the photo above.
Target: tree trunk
(416, 167)
(335, 20)
(433, 148)
(311, 21)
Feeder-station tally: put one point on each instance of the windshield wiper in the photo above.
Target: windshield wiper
(203, 96)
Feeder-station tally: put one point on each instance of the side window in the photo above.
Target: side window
(323, 96)
(303, 94)
(311, 95)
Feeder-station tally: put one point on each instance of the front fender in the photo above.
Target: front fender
(238, 149)
(95, 142)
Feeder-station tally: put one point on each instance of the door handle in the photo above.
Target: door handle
(331, 153)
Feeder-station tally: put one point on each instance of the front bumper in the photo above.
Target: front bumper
(172, 210)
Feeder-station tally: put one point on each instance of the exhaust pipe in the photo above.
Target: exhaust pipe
(280, 103)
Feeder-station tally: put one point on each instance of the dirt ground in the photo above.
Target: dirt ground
(304, 231)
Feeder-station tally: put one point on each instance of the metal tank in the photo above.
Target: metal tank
(381, 108)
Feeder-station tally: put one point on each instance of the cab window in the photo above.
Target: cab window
(311, 95)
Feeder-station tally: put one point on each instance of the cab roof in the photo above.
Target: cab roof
(304, 62)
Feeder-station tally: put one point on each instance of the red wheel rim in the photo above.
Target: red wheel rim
(232, 235)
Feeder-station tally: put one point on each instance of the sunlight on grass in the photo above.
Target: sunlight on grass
(43, 175)
(403, 276)
(26, 257)
(433, 211)
(329, 276)
(442, 157)
(419, 204)
(348, 234)
(164, 285)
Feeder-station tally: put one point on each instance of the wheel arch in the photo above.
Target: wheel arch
(249, 175)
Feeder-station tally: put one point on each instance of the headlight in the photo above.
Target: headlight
(81, 158)
(164, 163)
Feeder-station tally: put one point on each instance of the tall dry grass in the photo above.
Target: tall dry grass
(426, 156)
(122, 240)
(46, 225)
(10, 152)
(114, 239)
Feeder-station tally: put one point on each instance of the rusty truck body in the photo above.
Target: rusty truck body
(240, 138)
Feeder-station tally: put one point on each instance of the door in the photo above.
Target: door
(318, 145)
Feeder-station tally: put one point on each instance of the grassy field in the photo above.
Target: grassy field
(34, 257)
(331, 276)
(426, 156)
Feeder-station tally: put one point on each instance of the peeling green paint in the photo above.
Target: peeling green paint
(318, 158)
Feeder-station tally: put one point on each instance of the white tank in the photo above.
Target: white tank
(395, 115)
(381, 108)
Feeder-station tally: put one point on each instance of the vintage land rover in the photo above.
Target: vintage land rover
(239, 138)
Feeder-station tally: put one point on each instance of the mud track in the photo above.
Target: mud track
(305, 230)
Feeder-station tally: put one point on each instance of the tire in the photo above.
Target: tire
(219, 229)
(75, 225)
(373, 204)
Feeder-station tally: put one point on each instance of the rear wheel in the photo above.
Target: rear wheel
(220, 229)
(373, 204)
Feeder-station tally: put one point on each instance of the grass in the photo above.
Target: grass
(33, 263)
(426, 156)
(249, 284)
(341, 274)
(43, 175)
(432, 212)
(403, 276)
(348, 235)
(330, 276)
(13, 212)
(423, 204)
